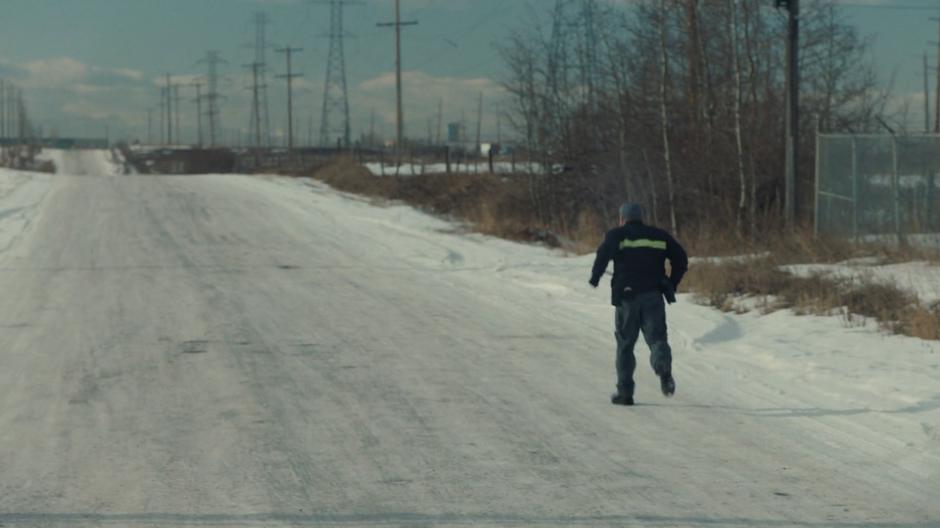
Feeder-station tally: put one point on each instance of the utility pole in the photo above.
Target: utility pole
(3, 110)
(21, 116)
(288, 51)
(176, 97)
(198, 86)
(589, 66)
(926, 98)
(13, 112)
(212, 60)
(479, 122)
(310, 130)
(372, 129)
(397, 24)
(150, 126)
(262, 113)
(163, 116)
(168, 91)
(440, 119)
(936, 119)
(791, 196)
(335, 93)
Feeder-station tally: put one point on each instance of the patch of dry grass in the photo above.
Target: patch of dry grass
(723, 284)
(496, 205)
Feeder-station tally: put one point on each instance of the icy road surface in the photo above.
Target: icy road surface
(237, 351)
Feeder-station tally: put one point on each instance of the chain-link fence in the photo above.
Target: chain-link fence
(873, 185)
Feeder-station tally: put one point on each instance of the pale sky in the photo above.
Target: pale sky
(87, 63)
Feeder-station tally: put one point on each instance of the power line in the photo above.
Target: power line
(473, 27)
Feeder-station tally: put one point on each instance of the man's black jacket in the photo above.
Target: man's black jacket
(639, 253)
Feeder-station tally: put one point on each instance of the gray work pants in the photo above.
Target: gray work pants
(646, 312)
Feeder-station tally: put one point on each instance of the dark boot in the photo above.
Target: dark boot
(667, 384)
(621, 399)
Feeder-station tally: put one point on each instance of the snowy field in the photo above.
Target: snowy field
(264, 351)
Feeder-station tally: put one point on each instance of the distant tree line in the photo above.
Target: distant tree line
(680, 105)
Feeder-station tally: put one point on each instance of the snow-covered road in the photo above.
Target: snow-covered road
(251, 351)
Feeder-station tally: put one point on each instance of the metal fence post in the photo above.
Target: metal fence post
(854, 191)
(818, 165)
(896, 183)
(928, 210)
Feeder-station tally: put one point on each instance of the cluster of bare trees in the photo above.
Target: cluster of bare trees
(680, 105)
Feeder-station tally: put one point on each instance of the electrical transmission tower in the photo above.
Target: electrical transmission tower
(212, 61)
(335, 94)
(256, 88)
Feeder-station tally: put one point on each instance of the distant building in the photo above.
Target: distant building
(455, 132)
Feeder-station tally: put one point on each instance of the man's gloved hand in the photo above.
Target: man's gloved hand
(594, 282)
(668, 290)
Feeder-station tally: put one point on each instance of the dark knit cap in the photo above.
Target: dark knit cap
(631, 211)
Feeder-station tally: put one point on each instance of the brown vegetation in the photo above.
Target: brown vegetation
(724, 283)
(493, 204)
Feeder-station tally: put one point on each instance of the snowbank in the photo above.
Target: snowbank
(920, 278)
(82, 162)
(20, 196)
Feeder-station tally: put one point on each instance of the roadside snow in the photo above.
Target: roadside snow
(99, 162)
(919, 278)
(20, 196)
